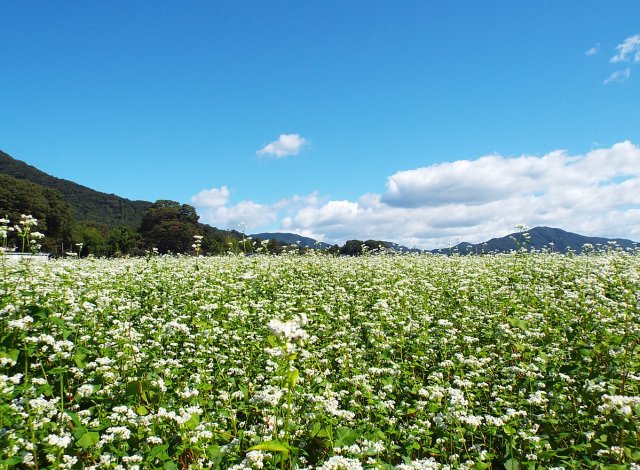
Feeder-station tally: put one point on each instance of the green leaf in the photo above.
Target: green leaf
(74, 417)
(133, 388)
(170, 466)
(88, 439)
(159, 452)
(213, 451)
(12, 354)
(193, 422)
(272, 446)
(40, 312)
(60, 322)
(293, 378)
(345, 437)
(142, 411)
(79, 431)
(512, 464)
(514, 321)
(79, 358)
(11, 462)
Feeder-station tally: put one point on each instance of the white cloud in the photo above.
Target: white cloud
(213, 197)
(628, 51)
(619, 76)
(597, 193)
(592, 51)
(212, 205)
(286, 145)
(246, 215)
(487, 179)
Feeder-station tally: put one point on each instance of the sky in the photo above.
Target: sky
(420, 122)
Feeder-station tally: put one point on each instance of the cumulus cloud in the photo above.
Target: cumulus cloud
(213, 197)
(628, 51)
(212, 205)
(245, 215)
(286, 145)
(597, 193)
(619, 76)
(475, 182)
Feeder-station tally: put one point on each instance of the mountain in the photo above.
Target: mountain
(539, 238)
(291, 239)
(87, 204)
(103, 224)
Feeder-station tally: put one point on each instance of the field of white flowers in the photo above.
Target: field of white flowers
(409, 362)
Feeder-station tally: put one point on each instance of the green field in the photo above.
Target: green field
(410, 362)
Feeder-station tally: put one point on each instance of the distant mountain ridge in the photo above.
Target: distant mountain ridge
(539, 238)
(88, 204)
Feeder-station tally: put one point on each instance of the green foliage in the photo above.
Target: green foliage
(216, 241)
(274, 246)
(358, 247)
(93, 239)
(87, 205)
(47, 205)
(352, 248)
(105, 224)
(169, 227)
(123, 241)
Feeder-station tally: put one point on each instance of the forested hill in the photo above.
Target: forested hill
(88, 205)
(538, 238)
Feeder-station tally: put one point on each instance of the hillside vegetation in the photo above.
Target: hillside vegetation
(78, 219)
(89, 206)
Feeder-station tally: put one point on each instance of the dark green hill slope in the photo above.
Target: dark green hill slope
(88, 205)
(45, 204)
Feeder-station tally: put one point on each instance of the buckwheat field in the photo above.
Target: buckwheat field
(318, 362)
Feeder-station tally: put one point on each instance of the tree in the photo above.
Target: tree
(333, 250)
(45, 204)
(375, 245)
(169, 227)
(92, 239)
(274, 246)
(352, 248)
(123, 241)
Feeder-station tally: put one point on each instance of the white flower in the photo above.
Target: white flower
(61, 441)
(620, 404)
(337, 462)
(289, 330)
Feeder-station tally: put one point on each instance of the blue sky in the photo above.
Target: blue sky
(337, 119)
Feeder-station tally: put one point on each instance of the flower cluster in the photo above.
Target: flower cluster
(315, 362)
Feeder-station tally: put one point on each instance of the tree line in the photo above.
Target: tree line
(166, 227)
